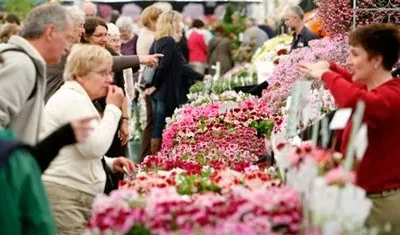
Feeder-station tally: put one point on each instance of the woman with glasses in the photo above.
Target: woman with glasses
(76, 175)
(96, 33)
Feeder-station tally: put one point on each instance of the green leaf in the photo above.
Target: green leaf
(139, 229)
(19, 7)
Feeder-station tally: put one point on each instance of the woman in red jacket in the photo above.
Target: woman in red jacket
(374, 49)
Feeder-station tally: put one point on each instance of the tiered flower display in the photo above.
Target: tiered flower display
(165, 211)
(286, 73)
(208, 179)
(218, 135)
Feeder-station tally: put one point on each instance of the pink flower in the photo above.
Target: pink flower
(340, 176)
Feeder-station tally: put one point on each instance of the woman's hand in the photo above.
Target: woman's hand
(124, 132)
(150, 90)
(121, 162)
(150, 60)
(207, 77)
(115, 96)
(314, 70)
(82, 128)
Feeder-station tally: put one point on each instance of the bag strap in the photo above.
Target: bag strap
(33, 92)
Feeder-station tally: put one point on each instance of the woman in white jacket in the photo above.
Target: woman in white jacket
(76, 175)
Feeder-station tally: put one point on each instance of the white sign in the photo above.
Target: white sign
(340, 119)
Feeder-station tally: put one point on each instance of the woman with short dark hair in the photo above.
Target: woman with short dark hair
(374, 49)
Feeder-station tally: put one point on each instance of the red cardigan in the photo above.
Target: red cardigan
(197, 48)
(379, 170)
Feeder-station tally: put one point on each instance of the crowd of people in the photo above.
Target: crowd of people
(68, 77)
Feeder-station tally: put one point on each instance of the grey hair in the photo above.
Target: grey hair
(77, 15)
(297, 11)
(42, 16)
(252, 21)
(125, 22)
(92, 5)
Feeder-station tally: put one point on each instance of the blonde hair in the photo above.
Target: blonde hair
(149, 16)
(167, 25)
(83, 59)
(7, 31)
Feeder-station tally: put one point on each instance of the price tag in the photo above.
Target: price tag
(331, 228)
(356, 123)
(340, 119)
(300, 99)
(361, 142)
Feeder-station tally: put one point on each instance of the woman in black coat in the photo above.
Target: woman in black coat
(170, 83)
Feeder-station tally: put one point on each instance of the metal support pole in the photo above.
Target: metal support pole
(377, 9)
(354, 14)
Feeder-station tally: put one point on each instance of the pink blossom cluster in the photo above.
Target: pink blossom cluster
(328, 161)
(226, 179)
(144, 182)
(192, 157)
(164, 211)
(338, 14)
(286, 72)
(206, 136)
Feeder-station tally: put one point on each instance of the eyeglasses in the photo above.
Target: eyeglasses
(104, 73)
(114, 40)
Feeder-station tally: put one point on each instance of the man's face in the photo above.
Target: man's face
(126, 34)
(291, 20)
(57, 43)
(76, 33)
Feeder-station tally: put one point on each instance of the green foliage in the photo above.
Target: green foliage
(19, 7)
(139, 229)
(229, 10)
(264, 127)
(234, 27)
(191, 184)
(241, 78)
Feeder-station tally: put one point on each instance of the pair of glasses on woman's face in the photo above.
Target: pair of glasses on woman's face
(104, 73)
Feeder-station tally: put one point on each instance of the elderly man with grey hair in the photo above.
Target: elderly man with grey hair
(23, 74)
(301, 34)
(129, 39)
(55, 71)
(89, 8)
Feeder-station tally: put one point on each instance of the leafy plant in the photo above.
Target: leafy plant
(191, 184)
(264, 127)
(19, 7)
(139, 229)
